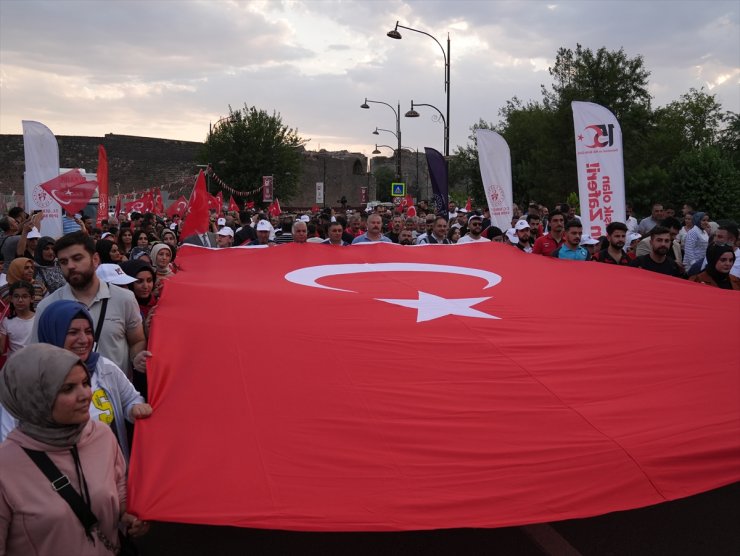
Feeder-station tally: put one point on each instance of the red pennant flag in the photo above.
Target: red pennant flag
(315, 209)
(469, 205)
(71, 190)
(118, 206)
(220, 200)
(158, 203)
(197, 219)
(102, 186)
(178, 207)
(525, 427)
(233, 207)
(137, 205)
(249, 205)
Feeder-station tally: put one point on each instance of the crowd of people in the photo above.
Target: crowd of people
(77, 312)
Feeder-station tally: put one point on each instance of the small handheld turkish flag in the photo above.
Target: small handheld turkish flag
(232, 204)
(178, 207)
(71, 190)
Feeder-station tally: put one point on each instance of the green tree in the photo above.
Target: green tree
(250, 143)
(384, 177)
(707, 179)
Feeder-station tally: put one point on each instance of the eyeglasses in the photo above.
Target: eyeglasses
(21, 296)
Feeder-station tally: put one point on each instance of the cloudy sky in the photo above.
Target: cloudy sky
(167, 68)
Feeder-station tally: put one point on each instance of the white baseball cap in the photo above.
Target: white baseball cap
(588, 240)
(113, 274)
(33, 234)
(221, 221)
(264, 226)
(511, 236)
(226, 231)
(521, 225)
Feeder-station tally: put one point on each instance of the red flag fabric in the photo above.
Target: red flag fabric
(178, 207)
(469, 205)
(158, 203)
(198, 216)
(71, 190)
(501, 407)
(411, 211)
(102, 186)
(233, 207)
(143, 204)
(220, 201)
(249, 205)
(315, 209)
(274, 208)
(212, 202)
(118, 206)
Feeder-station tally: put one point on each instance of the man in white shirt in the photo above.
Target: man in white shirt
(475, 227)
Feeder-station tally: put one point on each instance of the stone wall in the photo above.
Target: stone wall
(414, 172)
(137, 163)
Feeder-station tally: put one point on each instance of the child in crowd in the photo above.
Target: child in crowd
(15, 328)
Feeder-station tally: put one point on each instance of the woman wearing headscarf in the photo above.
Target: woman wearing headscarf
(161, 255)
(720, 259)
(67, 324)
(47, 269)
(169, 237)
(109, 252)
(23, 269)
(143, 288)
(48, 390)
(697, 239)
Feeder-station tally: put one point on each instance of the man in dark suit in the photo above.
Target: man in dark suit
(204, 240)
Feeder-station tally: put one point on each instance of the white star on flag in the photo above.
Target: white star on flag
(430, 306)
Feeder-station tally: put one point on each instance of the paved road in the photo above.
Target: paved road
(704, 525)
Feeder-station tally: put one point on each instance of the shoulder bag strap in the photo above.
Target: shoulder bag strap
(61, 485)
(99, 327)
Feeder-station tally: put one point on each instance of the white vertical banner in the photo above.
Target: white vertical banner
(41, 154)
(319, 192)
(494, 158)
(600, 167)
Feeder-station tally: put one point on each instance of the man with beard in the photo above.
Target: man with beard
(657, 260)
(616, 233)
(572, 249)
(523, 234)
(121, 338)
(548, 243)
(475, 228)
(396, 226)
(405, 237)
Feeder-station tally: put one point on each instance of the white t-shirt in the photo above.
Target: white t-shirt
(18, 331)
(467, 239)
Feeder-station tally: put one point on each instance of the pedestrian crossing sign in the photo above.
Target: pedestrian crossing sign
(398, 189)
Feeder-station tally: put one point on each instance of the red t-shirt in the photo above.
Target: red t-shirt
(546, 244)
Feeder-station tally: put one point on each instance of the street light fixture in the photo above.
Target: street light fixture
(377, 129)
(397, 114)
(414, 114)
(394, 34)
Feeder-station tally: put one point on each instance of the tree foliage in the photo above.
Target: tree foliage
(686, 151)
(250, 143)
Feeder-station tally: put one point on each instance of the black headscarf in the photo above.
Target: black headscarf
(102, 248)
(38, 256)
(132, 268)
(713, 255)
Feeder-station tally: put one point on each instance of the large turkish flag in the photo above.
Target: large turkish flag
(382, 387)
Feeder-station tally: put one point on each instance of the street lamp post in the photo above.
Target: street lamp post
(414, 114)
(397, 113)
(394, 34)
